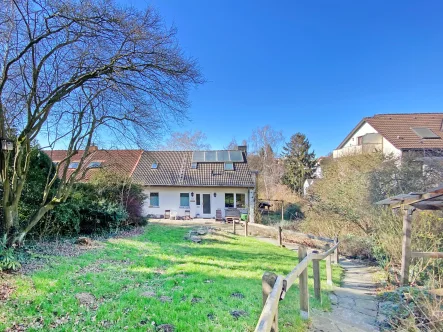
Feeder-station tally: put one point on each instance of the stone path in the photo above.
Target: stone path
(355, 307)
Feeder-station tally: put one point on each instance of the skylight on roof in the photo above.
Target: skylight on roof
(424, 132)
(95, 164)
(229, 166)
(154, 165)
(194, 165)
(74, 164)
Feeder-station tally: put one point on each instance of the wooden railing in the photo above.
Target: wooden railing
(274, 287)
(427, 254)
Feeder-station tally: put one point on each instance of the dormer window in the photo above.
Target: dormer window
(154, 165)
(194, 165)
(229, 166)
(73, 165)
(95, 164)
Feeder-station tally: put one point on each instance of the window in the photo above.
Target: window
(154, 200)
(240, 200)
(73, 164)
(229, 166)
(184, 199)
(154, 165)
(229, 200)
(95, 164)
(359, 140)
(194, 165)
(197, 199)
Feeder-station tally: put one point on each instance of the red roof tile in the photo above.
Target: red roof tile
(397, 129)
(120, 161)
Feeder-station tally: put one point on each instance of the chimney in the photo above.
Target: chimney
(93, 148)
(243, 148)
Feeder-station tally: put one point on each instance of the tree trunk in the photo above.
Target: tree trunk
(20, 235)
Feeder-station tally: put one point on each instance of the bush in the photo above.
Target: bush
(8, 259)
(109, 201)
(356, 246)
(293, 212)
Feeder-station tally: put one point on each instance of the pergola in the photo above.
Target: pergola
(432, 199)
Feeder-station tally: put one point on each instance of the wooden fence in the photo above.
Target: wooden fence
(274, 287)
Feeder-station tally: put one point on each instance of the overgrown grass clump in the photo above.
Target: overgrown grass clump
(140, 283)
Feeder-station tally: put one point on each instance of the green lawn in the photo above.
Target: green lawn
(157, 278)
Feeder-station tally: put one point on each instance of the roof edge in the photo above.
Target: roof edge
(362, 121)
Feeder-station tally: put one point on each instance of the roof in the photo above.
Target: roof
(120, 161)
(174, 169)
(431, 199)
(397, 129)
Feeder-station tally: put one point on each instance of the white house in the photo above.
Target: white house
(200, 184)
(395, 134)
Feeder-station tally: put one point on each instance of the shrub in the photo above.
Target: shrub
(356, 246)
(8, 259)
(293, 212)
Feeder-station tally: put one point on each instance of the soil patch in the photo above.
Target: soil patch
(86, 299)
(238, 313)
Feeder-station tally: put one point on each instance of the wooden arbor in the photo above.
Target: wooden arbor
(430, 200)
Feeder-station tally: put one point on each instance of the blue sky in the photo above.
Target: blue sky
(316, 67)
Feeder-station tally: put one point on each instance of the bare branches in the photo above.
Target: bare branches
(71, 71)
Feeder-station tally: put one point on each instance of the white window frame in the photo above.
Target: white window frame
(180, 198)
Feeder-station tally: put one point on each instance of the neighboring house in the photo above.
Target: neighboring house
(196, 183)
(395, 134)
(119, 161)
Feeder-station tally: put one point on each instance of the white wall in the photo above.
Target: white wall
(366, 128)
(169, 199)
(351, 146)
(388, 148)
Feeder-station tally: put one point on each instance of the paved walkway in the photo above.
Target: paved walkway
(355, 308)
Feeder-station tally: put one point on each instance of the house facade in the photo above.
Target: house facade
(198, 184)
(395, 134)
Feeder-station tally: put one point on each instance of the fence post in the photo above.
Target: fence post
(233, 225)
(267, 281)
(280, 241)
(336, 259)
(303, 286)
(246, 226)
(328, 271)
(282, 206)
(406, 245)
(317, 280)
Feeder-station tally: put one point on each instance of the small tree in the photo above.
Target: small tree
(71, 71)
(264, 142)
(299, 162)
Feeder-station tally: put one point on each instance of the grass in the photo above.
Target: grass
(128, 278)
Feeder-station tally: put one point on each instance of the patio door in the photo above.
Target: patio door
(206, 205)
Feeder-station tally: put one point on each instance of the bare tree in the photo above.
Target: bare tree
(187, 141)
(265, 142)
(72, 71)
(233, 145)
